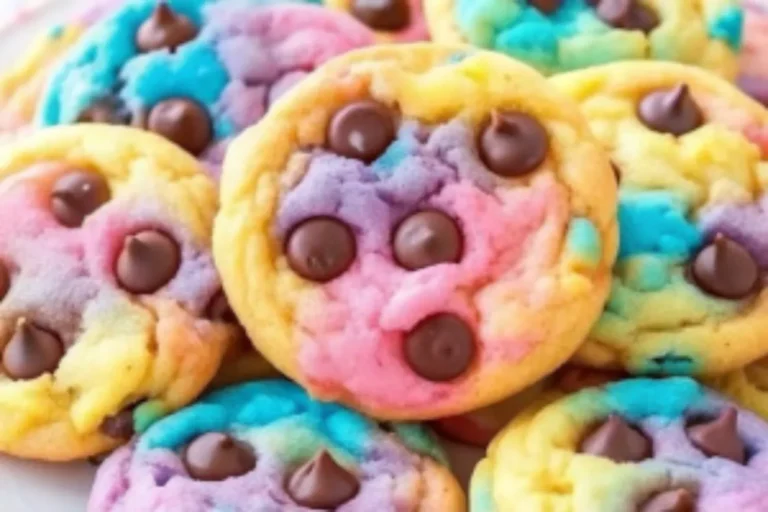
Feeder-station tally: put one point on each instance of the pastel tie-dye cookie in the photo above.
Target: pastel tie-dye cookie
(394, 21)
(638, 445)
(108, 316)
(417, 231)
(689, 149)
(267, 447)
(564, 35)
(195, 71)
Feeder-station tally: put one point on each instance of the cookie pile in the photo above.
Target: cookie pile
(277, 256)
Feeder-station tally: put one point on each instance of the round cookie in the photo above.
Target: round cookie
(689, 150)
(394, 21)
(753, 76)
(195, 71)
(377, 258)
(106, 281)
(638, 445)
(267, 446)
(563, 35)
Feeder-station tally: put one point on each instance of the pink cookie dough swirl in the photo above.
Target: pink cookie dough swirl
(109, 297)
(417, 231)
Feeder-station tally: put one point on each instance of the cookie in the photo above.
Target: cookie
(747, 386)
(559, 35)
(638, 445)
(689, 151)
(195, 71)
(753, 72)
(22, 84)
(394, 21)
(107, 282)
(417, 231)
(266, 446)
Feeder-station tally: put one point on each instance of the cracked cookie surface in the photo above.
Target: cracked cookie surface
(195, 71)
(106, 278)
(689, 149)
(637, 445)
(562, 35)
(417, 231)
(266, 446)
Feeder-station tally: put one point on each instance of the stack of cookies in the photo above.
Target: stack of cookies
(296, 250)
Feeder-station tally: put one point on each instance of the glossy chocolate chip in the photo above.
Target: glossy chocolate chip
(219, 309)
(617, 441)
(120, 425)
(321, 249)
(5, 280)
(546, 6)
(322, 483)
(627, 14)
(670, 111)
(427, 238)
(76, 195)
(31, 352)
(616, 173)
(440, 348)
(678, 500)
(164, 29)
(216, 456)
(183, 122)
(513, 144)
(720, 437)
(726, 269)
(148, 261)
(104, 111)
(385, 15)
(362, 130)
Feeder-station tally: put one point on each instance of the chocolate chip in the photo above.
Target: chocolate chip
(389, 15)
(361, 130)
(322, 483)
(616, 173)
(148, 261)
(670, 111)
(427, 238)
(321, 249)
(120, 425)
(440, 348)
(617, 441)
(720, 437)
(5, 281)
(546, 6)
(726, 269)
(31, 352)
(76, 195)
(219, 310)
(756, 87)
(164, 29)
(183, 122)
(678, 500)
(104, 111)
(627, 14)
(215, 456)
(513, 144)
